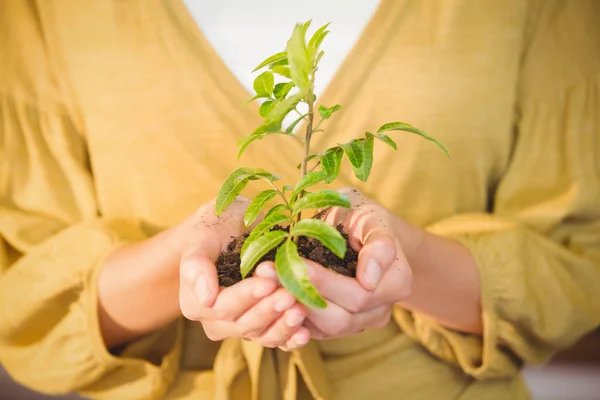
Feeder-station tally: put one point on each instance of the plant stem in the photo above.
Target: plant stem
(279, 192)
(315, 166)
(309, 132)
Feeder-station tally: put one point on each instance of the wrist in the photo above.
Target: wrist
(138, 287)
(411, 238)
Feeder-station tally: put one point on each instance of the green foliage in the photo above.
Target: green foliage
(323, 232)
(327, 112)
(295, 68)
(259, 248)
(331, 161)
(321, 199)
(364, 170)
(294, 277)
(401, 126)
(264, 83)
(257, 205)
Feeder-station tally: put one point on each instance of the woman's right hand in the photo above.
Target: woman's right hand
(147, 285)
(255, 309)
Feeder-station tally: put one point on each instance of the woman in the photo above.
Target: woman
(119, 120)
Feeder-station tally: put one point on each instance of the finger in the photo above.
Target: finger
(334, 324)
(257, 319)
(267, 270)
(376, 256)
(315, 333)
(395, 285)
(233, 301)
(344, 291)
(298, 340)
(197, 269)
(280, 331)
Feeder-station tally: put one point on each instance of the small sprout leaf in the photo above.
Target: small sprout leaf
(257, 205)
(322, 199)
(258, 248)
(323, 232)
(401, 126)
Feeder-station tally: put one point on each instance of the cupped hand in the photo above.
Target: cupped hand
(256, 308)
(383, 275)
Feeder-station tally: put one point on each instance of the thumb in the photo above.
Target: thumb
(198, 273)
(376, 256)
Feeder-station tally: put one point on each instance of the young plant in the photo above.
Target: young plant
(297, 66)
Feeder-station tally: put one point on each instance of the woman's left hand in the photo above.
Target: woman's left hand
(383, 276)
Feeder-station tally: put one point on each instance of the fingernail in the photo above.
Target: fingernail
(262, 291)
(266, 270)
(372, 273)
(301, 340)
(284, 303)
(294, 319)
(201, 289)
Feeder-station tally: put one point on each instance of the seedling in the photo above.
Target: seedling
(297, 66)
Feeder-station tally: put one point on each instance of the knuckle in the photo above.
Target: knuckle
(189, 315)
(268, 343)
(339, 326)
(358, 302)
(223, 315)
(405, 292)
(249, 332)
(384, 321)
(212, 335)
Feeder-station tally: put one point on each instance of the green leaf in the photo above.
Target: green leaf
(383, 137)
(278, 113)
(244, 142)
(257, 205)
(290, 128)
(306, 26)
(272, 60)
(354, 152)
(282, 89)
(317, 37)
(258, 248)
(282, 70)
(272, 219)
(324, 198)
(331, 162)
(277, 209)
(319, 56)
(401, 126)
(294, 277)
(310, 157)
(258, 134)
(265, 108)
(264, 83)
(323, 232)
(231, 188)
(298, 58)
(326, 112)
(256, 97)
(287, 188)
(308, 180)
(259, 173)
(364, 170)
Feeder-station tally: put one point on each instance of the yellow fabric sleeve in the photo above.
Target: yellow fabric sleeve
(538, 253)
(52, 244)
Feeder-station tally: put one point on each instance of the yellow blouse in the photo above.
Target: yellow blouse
(117, 119)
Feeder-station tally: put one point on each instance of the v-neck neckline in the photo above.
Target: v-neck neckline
(355, 64)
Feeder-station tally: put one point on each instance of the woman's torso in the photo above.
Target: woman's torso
(160, 116)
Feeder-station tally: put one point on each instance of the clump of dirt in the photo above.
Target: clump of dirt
(228, 263)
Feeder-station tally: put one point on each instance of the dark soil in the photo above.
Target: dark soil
(228, 263)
